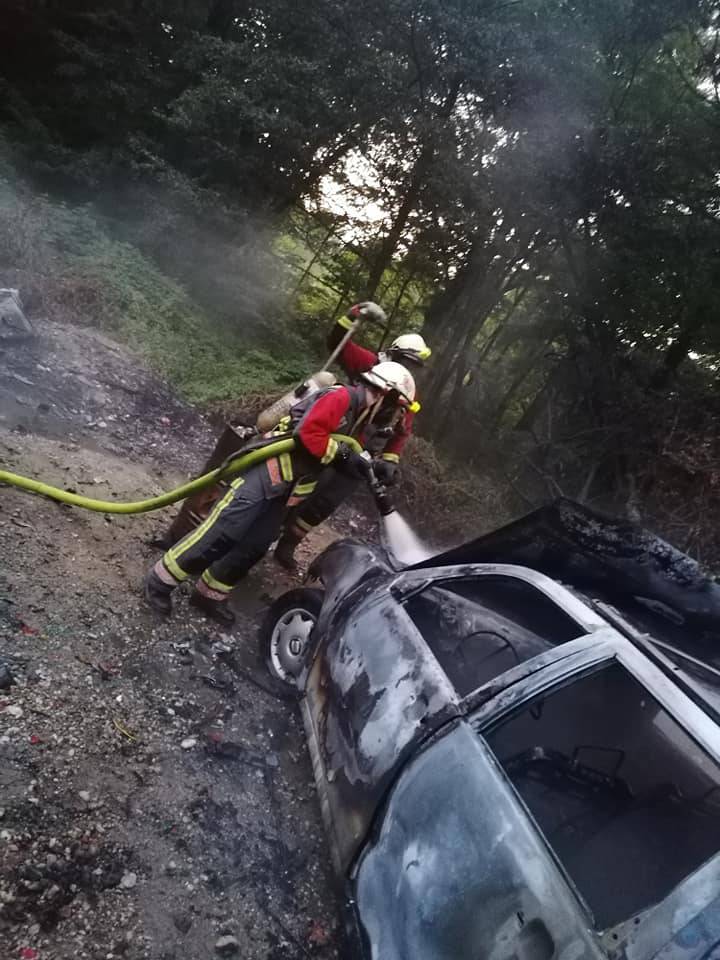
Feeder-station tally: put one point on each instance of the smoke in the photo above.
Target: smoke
(223, 258)
(101, 251)
(194, 288)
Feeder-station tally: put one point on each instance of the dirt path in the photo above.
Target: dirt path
(155, 800)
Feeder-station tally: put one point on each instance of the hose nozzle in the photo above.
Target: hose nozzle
(381, 495)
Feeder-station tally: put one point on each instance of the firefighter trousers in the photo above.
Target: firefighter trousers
(332, 489)
(235, 536)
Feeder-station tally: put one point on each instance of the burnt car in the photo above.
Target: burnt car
(516, 744)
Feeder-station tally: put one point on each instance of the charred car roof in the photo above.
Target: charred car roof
(434, 708)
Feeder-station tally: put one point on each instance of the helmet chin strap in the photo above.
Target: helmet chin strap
(375, 398)
(405, 357)
(374, 407)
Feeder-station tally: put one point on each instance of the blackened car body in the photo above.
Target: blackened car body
(516, 743)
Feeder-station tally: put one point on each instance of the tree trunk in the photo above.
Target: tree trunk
(395, 308)
(306, 272)
(477, 298)
(453, 403)
(519, 380)
(341, 302)
(417, 180)
(502, 324)
(390, 241)
(677, 352)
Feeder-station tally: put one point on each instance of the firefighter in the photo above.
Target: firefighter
(245, 522)
(384, 441)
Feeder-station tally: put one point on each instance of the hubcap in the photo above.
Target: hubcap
(289, 643)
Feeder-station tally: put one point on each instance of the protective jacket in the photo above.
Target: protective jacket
(312, 421)
(355, 360)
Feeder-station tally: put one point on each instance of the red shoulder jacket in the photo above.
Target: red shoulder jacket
(332, 413)
(355, 360)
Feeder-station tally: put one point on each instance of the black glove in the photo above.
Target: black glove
(386, 471)
(352, 464)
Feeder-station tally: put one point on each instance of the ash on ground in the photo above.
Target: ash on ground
(156, 798)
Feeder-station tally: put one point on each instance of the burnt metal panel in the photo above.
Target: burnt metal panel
(548, 668)
(458, 872)
(373, 693)
(538, 676)
(605, 557)
(685, 926)
(413, 580)
(348, 569)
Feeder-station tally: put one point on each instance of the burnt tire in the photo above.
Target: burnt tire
(285, 636)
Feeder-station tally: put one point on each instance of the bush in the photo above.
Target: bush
(449, 502)
(70, 267)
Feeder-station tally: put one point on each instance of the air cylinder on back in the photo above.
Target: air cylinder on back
(270, 417)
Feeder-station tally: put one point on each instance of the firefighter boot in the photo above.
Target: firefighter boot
(216, 609)
(158, 593)
(286, 546)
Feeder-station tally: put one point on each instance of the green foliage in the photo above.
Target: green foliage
(207, 360)
(67, 262)
(533, 184)
(464, 501)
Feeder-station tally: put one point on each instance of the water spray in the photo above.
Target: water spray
(397, 534)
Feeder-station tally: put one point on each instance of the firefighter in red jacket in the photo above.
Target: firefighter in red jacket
(385, 441)
(245, 522)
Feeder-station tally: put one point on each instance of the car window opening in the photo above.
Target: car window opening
(627, 800)
(480, 627)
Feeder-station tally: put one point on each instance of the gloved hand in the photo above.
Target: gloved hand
(367, 310)
(352, 464)
(386, 472)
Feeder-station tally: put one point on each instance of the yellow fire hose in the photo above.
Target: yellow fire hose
(239, 464)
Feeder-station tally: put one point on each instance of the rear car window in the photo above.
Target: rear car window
(626, 798)
(479, 627)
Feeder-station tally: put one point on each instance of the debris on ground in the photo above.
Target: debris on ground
(116, 839)
(6, 676)
(227, 946)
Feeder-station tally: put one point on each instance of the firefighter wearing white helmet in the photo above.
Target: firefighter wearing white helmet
(387, 433)
(390, 376)
(409, 348)
(248, 518)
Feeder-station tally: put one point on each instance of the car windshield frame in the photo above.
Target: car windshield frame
(593, 628)
(594, 618)
(411, 582)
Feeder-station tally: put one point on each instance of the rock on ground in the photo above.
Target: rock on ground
(14, 325)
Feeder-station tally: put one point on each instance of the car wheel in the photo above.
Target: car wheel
(285, 635)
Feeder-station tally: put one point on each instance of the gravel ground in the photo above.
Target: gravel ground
(156, 799)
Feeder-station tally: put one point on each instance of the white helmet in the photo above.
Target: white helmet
(388, 376)
(410, 346)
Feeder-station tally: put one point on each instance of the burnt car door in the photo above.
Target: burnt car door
(373, 692)
(620, 772)
(574, 813)
(396, 656)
